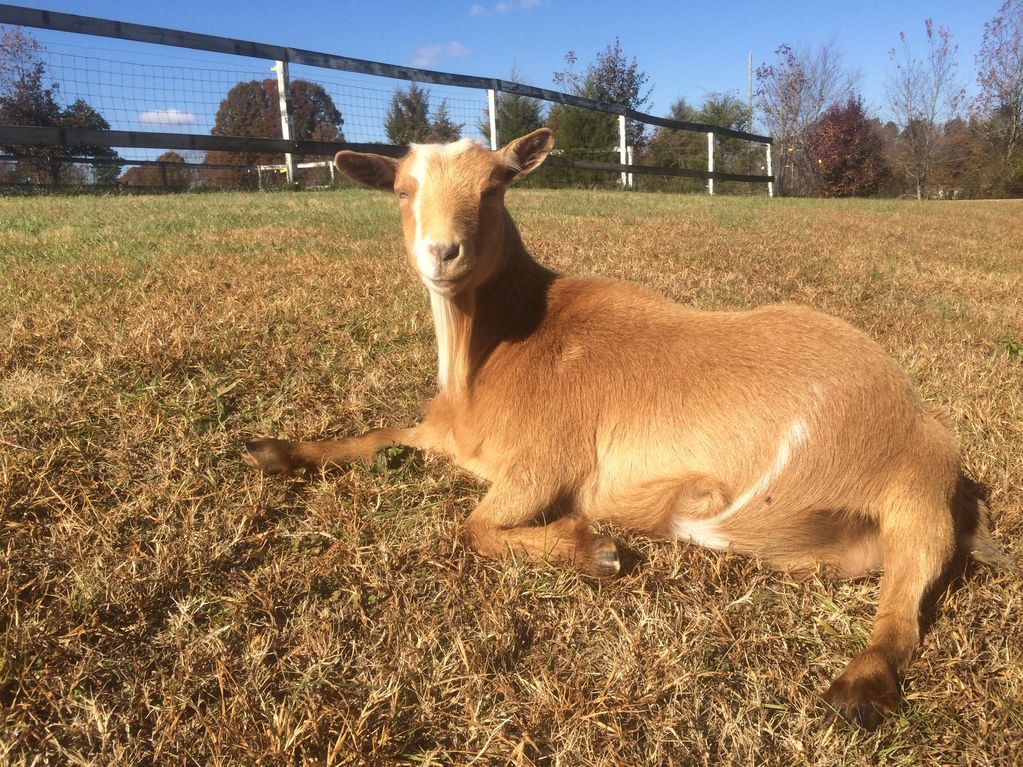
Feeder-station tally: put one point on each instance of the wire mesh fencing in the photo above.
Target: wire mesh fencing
(177, 110)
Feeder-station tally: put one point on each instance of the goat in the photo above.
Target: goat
(779, 432)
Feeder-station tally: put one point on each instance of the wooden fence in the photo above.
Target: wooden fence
(283, 56)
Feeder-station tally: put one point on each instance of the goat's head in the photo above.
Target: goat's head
(452, 202)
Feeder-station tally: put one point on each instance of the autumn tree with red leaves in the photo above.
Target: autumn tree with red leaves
(792, 93)
(848, 151)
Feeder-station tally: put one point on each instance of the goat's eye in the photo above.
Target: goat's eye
(402, 195)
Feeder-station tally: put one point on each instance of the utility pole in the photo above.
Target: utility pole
(749, 102)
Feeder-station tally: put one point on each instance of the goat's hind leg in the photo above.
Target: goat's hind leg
(280, 456)
(917, 536)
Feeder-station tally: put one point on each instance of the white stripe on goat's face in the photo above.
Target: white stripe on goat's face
(445, 190)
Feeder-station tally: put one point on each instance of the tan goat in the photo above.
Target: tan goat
(779, 432)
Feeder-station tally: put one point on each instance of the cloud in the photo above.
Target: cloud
(505, 6)
(172, 116)
(431, 55)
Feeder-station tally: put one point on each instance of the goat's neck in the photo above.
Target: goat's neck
(507, 307)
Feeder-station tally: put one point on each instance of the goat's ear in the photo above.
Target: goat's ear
(373, 170)
(526, 154)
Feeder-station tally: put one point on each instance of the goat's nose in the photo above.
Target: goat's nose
(444, 252)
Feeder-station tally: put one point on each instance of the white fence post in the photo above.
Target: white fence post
(770, 184)
(623, 152)
(285, 105)
(628, 153)
(492, 108)
(710, 161)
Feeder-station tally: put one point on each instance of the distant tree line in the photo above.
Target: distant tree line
(932, 142)
(936, 143)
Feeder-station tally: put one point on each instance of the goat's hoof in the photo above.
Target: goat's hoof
(270, 456)
(603, 560)
(866, 692)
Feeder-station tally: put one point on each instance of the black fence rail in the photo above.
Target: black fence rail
(22, 135)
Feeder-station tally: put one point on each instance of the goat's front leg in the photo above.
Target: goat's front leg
(509, 522)
(280, 456)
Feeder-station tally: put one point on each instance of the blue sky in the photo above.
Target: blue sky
(689, 49)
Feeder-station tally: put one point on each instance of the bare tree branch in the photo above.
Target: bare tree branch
(924, 94)
(792, 94)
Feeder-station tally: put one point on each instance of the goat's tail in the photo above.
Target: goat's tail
(973, 521)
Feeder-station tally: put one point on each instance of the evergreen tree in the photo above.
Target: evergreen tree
(675, 149)
(516, 115)
(442, 129)
(686, 149)
(408, 120)
(583, 130)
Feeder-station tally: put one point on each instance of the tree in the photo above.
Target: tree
(923, 95)
(727, 110)
(792, 93)
(313, 113)
(253, 109)
(25, 101)
(611, 78)
(849, 151)
(81, 115)
(20, 60)
(442, 129)
(408, 119)
(675, 148)
(968, 168)
(175, 174)
(1000, 76)
(583, 130)
(686, 149)
(516, 115)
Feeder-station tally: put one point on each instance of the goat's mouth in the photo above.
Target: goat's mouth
(446, 285)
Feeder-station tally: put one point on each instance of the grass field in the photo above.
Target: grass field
(161, 604)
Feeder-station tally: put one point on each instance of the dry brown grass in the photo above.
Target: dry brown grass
(160, 604)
